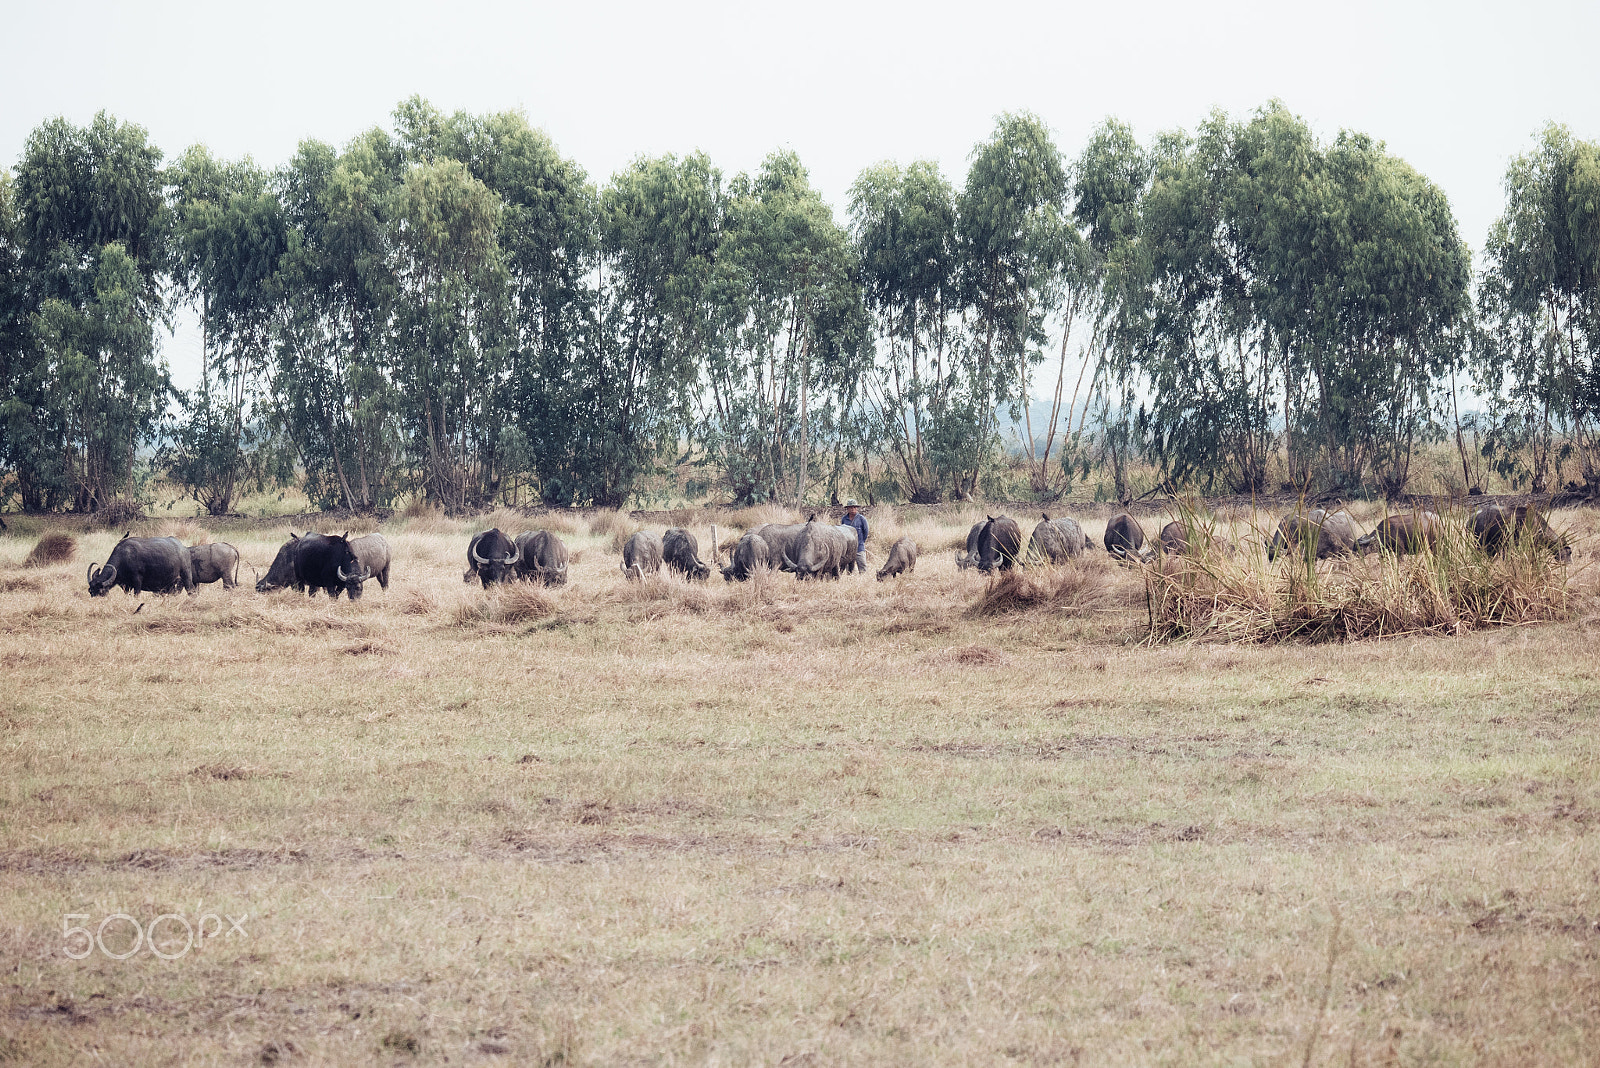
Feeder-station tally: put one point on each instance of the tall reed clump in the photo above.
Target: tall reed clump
(1451, 588)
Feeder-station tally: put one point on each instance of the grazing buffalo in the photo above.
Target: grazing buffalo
(902, 559)
(780, 539)
(313, 562)
(215, 561)
(1055, 541)
(641, 555)
(1496, 526)
(1176, 540)
(750, 557)
(823, 549)
(1401, 534)
(542, 557)
(999, 544)
(491, 557)
(681, 553)
(144, 565)
(1332, 534)
(1125, 538)
(969, 558)
(372, 557)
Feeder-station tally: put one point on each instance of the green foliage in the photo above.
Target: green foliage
(1539, 309)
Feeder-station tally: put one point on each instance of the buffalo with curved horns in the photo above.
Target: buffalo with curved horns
(751, 556)
(999, 544)
(491, 556)
(641, 555)
(313, 562)
(680, 551)
(1124, 538)
(373, 558)
(543, 558)
(144, 565)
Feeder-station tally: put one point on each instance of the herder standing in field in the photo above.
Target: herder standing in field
(854, 518)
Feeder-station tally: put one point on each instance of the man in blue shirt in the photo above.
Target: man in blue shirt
(854, 518)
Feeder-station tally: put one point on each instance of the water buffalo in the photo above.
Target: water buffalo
(491, 557)
(215, 561)
(969, 558)
(542, 557)
(1179, 538)
(823, 549)
(1124, 538)
(144, 565)
(1496, 526)
(750, 557)
(641, 555)
(1055, 541)
(681, 553)
(1332, 534)
(780, 539)
(1401, 534)
(313, 562)
(372, 560)
(902, 559)
(999, 544)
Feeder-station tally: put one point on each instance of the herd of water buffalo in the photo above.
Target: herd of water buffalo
(338, 563)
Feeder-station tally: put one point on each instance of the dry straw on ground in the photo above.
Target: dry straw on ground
(814, 823)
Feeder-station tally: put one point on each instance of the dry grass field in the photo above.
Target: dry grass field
(780, 823)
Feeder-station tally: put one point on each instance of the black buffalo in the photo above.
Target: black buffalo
(751, 556)
(313, 562)
(780, 539)
(144, 565)
(491, 556)
(542, 557)
(999, 544)
(902, 560)
(969, 558)
(1125, 538)
(681, 553)
(641, 555)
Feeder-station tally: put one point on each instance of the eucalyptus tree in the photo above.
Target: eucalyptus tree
(13, 317)
(331, 384)
(1009, 226)
(903, 226)
(446, 268)
(85, 389)
(538, 419)
(1538, 352)
(229, 236)
(660, 228)
(791, 334)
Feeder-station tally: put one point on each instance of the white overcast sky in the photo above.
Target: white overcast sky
(1456, 89)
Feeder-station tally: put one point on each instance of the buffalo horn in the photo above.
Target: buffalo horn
(473, 548)
(91, 570)
(113, 569)
(516, 554)
(342, 576)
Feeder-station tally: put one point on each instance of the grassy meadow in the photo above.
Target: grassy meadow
(908, 822)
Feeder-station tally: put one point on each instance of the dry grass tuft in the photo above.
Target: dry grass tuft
(506, 605)
(1077, 587)
(419, 601)
(20, 584)
(1453, 589)
(979, 655)
(226, 771)
(53, 547)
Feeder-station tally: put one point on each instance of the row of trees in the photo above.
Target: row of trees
(449, 308)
